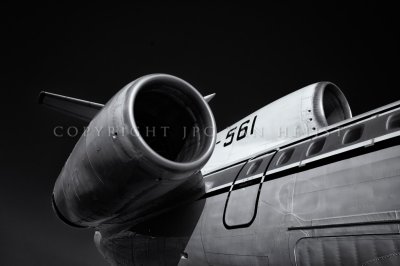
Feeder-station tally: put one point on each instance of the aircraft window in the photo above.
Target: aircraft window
(353, 134)
(285, 156)
(222, 177)
(316, 147)
(393, 122)
(254, 167)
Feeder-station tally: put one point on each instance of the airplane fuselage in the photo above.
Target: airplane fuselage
(327, 199)
(298, 182)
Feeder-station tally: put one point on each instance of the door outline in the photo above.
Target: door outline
(243, 225)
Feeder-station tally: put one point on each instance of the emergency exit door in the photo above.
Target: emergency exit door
(242, 200)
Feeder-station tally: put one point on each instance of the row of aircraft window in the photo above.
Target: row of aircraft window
(292, 154)
(362, 131)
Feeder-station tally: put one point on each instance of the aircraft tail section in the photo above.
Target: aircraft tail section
(80, 109)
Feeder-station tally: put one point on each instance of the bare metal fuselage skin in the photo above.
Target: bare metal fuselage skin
(339, 206)
(327, 196)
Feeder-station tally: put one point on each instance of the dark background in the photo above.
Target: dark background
(249, 55)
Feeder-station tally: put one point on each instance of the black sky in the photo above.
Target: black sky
(249, 55)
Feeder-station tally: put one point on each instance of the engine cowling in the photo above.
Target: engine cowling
(300, 113)
(153, 135)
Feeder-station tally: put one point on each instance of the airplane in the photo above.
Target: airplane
(298, 182)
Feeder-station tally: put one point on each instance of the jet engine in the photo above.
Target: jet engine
(300, 113)
(155, 134)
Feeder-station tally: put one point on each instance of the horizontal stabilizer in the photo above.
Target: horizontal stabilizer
(81, 109)
(209, 97)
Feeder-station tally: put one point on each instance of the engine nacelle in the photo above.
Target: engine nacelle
(295, 115)
(152, 136)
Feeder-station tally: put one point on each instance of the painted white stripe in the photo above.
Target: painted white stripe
(219, 187)
(283, 168)
(332, 153)
(366, 143)
(387, 136)
(248, 178)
